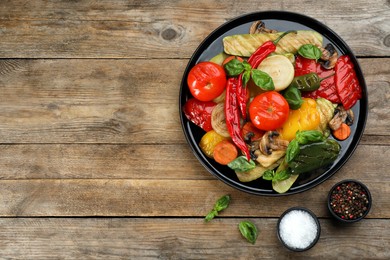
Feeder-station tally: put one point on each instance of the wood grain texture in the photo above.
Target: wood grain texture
(186, 238)
(93, 160)
(139, 197)
(152, 29)
(121, 101)
(158, 162)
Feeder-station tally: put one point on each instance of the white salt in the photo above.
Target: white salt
(298, 229)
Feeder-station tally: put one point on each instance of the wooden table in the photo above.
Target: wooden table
(94, 163)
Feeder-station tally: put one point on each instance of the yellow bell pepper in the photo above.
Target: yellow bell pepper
(208, 142)
(306, 117)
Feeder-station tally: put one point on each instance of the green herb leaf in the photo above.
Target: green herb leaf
(281, 175)
(310, 51)
(309, 136)
(262, 80)
(293, 97)
(246, 77)
(268, 175)
(292, 150)
(241, 164)
(248, 230)
(213, 213)
(234, 68)
(246, 65)
(221, 204)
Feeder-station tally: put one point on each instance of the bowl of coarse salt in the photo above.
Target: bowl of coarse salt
(298, 229)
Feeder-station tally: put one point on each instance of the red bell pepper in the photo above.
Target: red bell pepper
(347, 84)
(327, 88)
(199, 112)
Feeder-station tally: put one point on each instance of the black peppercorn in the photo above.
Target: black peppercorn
(349, 200)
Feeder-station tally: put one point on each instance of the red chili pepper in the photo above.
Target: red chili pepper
(242, 96)
(327, 88)
(254, 60)
(347, 84)
(232, 115)
(264, 50)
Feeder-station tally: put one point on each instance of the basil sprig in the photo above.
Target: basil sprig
(221, 204)
(235, 67)
(248, 230)
(310, 51)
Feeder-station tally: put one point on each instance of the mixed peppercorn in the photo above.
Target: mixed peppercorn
(349, 201)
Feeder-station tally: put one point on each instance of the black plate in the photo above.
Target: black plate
(280, 21)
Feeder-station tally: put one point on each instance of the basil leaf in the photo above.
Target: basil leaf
(293, 97)
(241, 164)
(309, 136)
(213, 213)
(292, 150)
(281, 175)
(246, 77)
(221, 204)
(246, 65)
(310, 51)
(262, 80)
(234, 68)
(248, 230)
(268, 175)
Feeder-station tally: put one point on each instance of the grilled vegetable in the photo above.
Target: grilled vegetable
(326, 110)
(208, 142)
(305, 118)
(246, 44)
(255, 173)
(314, 155)
(218, 120)
(280, 69)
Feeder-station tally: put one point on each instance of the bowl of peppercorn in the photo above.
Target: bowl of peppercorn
(349, 201)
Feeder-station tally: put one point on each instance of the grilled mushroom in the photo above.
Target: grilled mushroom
(270, 142)
(259, 27)
(341, 116)
(329, 56)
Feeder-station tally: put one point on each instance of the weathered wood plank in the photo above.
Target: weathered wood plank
(142, 197)
(120, 101)
(81, 161)
(117, 29)
(185, 238)
(159, 162)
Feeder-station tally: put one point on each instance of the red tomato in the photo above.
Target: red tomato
(199, 112)
(268, 111)
(206, 80)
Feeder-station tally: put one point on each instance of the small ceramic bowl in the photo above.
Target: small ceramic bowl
(349, 201)
(298, 229)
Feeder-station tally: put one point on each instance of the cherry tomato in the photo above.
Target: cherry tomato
(199, 112)
(268, 111)
(206, 80)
